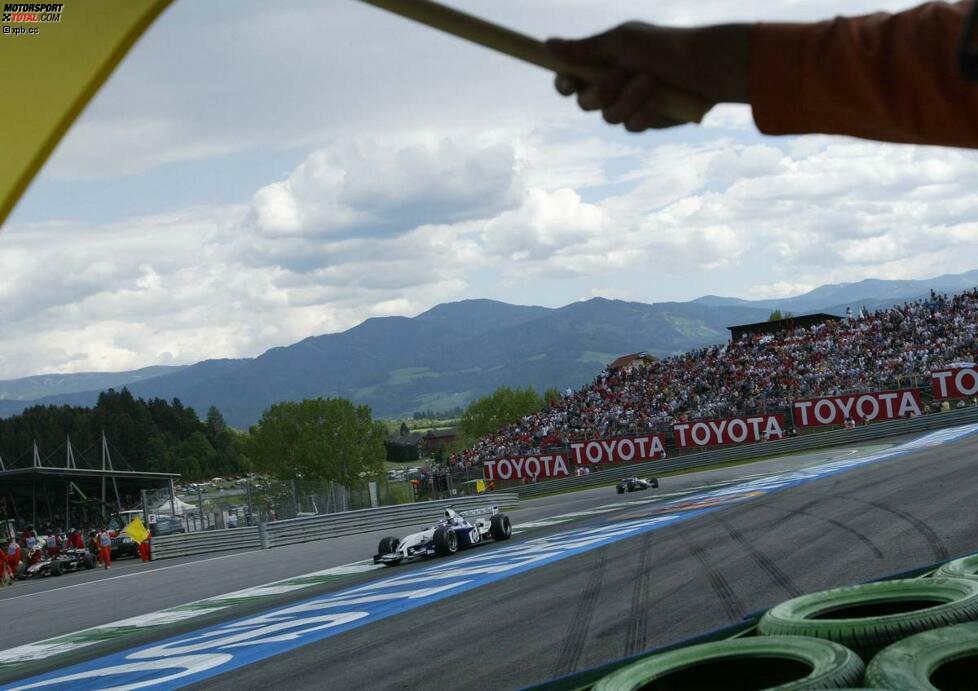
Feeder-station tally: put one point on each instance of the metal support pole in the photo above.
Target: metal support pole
(145, 502)
(104, 452)
(251, 508)
(200, 506)
(295, 501)
(173, 505)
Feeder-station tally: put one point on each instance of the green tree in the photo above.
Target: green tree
(404, 431)
(502, 407)
(317, 439)
(215, 423)
(551, 396)
(155, 435)
(778, 315)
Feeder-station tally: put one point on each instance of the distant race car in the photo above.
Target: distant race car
(636, 484)
(67, 560)
(457, 530)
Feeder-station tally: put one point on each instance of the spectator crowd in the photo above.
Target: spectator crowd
(875, 350)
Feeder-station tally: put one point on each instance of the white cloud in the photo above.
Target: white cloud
(436, 170)
(239, 75)
(547, 224)
(780, 289)
(386, 188)
(365, 228)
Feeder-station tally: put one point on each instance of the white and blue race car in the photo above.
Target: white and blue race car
(457, 530)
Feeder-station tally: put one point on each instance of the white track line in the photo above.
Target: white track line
(125, 575)
(178, 613)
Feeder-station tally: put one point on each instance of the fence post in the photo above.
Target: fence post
(200, 506)
(263, 535)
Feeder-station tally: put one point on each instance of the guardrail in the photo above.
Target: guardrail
(205, 541)
(320, 527)
(705, 459)
(330, 525)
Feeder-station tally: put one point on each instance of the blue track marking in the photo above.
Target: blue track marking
(208, 652)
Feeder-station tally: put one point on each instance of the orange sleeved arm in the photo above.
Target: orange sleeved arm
(892, 77)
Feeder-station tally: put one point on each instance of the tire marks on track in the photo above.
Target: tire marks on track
(869, 544)
(768, 566)
(732, 606)
(580, 624)
(639, 606)
(933, 539)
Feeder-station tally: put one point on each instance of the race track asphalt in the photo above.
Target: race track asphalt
(131, 588)
(659, 587)
(610, 602)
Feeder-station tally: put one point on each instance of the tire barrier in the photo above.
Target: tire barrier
(965, 567)
(871, 616)
(940, 659)
(818, 440)
(320, 527)
(783, 662)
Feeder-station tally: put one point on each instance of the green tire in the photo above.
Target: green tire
(871, 616)
(965, 567)
(776, 662)
(911, 664)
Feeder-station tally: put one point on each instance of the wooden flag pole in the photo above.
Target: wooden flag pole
(674, 104)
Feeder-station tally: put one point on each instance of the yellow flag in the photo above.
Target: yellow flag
(136, 530)
(480, 486)
(54, 60)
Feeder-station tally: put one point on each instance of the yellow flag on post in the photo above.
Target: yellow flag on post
(136, 530)
(54, 60)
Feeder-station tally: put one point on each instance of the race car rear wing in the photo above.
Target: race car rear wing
(474, 513)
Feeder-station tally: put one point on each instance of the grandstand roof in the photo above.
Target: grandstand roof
(70, 473)
(626, 360)
(440, 433)
(62, 496)
(778, 325)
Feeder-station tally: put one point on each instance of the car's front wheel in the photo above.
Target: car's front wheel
(446, 542)
(500, 527)
(388, 545)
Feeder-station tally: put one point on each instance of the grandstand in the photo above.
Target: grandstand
(758, 373)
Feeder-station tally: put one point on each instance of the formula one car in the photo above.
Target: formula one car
(39, 564)
(457, 530)
(636, 484)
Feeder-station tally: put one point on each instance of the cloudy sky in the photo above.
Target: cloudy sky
(255, 173)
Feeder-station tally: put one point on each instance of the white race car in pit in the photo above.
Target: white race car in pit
(457, 530)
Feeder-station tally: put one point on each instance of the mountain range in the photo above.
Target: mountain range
(458, 351)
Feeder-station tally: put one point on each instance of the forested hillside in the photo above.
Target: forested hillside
(154, 435)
